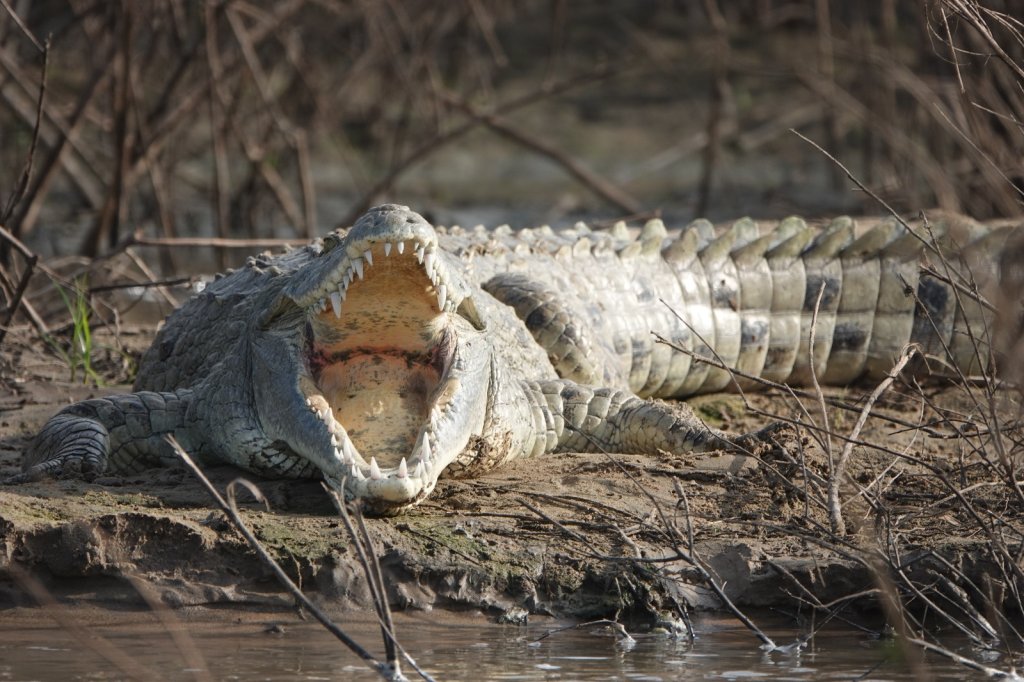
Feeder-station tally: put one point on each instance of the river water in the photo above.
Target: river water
(238, 647)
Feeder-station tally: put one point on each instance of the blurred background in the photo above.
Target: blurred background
(172, 119)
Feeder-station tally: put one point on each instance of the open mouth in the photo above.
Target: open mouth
(380, 355)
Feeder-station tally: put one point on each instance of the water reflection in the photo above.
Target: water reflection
(450, 648)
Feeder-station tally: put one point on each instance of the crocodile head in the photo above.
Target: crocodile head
(395, 365)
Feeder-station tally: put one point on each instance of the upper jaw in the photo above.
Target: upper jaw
(383, 231)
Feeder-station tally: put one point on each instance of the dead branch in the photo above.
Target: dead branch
(838, 472)
(88, 638)
(212, 242)
(603, 188)
(26, 173)
(231, 511)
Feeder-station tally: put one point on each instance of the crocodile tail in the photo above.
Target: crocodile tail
(868, 293)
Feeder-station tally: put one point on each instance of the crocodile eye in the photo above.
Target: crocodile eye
(330, 241)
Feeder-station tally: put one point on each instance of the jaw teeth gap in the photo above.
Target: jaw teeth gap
(418, 465)
(426, 255)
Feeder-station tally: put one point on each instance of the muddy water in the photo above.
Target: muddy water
(239, 647)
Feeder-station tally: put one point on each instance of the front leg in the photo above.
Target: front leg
(580, 418)
(116, 434)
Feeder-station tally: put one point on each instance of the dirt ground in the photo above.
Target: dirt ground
(577, 535)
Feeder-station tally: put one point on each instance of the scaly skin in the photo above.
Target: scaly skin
(381, 357)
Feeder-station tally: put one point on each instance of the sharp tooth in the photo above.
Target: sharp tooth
(368, 255)
(420, 252)
(442, 296)
(358, 265)
(418, 471)
(387, 249)
(374, 469)
(357, 474)
(403, 469)
(428, 260)
(325, 414)
(425, 452)
(341, 292)
(401, 247)
(336, 303)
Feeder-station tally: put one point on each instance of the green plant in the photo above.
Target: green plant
(79, 355)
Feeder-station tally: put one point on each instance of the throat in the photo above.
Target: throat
(382, 399)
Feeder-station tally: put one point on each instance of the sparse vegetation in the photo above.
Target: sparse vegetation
(162, 126)
(78, 354)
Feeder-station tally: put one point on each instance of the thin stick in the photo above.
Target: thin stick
(26, 172)
(232, 513)
(371, 568)
(215, 242)
(185, 645)
(814, 376)
(19, 294)
(441, 139)
(689, 556)
(719, 90)
(838, 472)
(88, 638)
(21, 24)
(603, 188)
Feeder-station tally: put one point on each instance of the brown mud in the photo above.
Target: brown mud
(572, 535)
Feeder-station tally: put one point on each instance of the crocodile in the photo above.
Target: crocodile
(381, 356)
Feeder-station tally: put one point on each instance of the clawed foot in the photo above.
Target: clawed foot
(68, 467)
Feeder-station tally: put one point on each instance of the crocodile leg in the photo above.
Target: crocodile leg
(580, 418)
(566, 340)
(116, 434)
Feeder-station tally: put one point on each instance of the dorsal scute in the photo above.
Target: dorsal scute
(800, 235)
(620, 230)
(753, 250)
(720, 247)
(873, 242)
(582, 246)
(653, 236)
(789, 227)
(630, 250)
(683, 248)
(746, 231)
(907, 245)
(832, 240)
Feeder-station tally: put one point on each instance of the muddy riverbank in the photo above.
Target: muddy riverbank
(576, 535)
